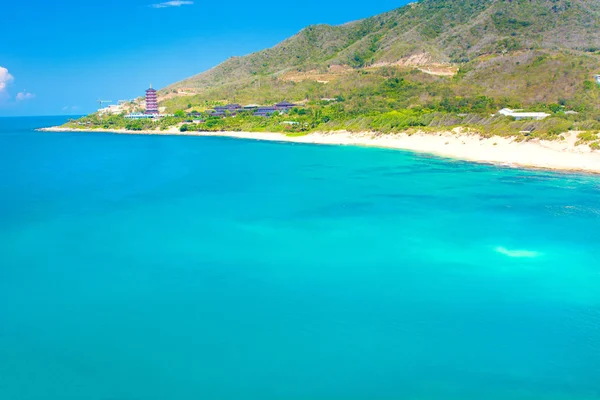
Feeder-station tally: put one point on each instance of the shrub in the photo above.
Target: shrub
(587, 136)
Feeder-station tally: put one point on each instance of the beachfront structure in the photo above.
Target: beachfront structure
(265, 111)
(140, 116)
(223, 111)
(228, 107)
(259, 111)
(519, 115)
(151, 101)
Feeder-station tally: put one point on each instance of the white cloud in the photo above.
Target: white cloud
(70, 108)
(5, 79)
(25, 95)
(174, 3)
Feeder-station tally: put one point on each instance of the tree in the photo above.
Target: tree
(180, 114)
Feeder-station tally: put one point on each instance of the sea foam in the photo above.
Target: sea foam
(517, 253)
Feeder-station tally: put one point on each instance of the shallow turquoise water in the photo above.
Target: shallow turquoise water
(138, 267)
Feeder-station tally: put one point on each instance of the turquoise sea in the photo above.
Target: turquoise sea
(156, 267)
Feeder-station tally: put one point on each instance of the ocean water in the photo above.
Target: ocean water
(156, 267)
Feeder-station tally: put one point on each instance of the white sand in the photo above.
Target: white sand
(557, 155)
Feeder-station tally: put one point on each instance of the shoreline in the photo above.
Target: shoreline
(559, 155)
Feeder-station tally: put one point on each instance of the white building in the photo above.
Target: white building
(139, 116)
(519, 115)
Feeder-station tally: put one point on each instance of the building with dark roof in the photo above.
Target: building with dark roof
(265, 111)
(228, 107)
(217, 113)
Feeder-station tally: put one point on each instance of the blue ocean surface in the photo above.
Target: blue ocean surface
(162, 267)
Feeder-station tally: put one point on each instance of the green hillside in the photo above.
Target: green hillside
(452, 31)
(431, 64)
(523, 51)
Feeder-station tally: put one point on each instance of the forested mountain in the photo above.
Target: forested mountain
(491, 40)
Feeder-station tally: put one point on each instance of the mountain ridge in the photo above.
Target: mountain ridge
(448, 31)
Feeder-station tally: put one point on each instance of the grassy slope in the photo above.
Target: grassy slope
(523, 78)
(449, 30)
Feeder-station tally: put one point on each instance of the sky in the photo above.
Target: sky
(60, 57)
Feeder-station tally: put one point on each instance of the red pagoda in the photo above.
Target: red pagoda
(151, 101)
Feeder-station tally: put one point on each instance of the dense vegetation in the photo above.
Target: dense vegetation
(376, 108)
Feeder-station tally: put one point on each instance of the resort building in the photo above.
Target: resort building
(151, 101)
(518, 115)
(223, 111)
(265, 111)
(140, 116)
(259, 111)
(228, 107)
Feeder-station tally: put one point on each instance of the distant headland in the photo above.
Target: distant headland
(523, 75)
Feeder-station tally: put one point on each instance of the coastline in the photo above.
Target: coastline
(559, 155)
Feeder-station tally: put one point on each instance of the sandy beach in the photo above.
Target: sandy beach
(561, 155)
